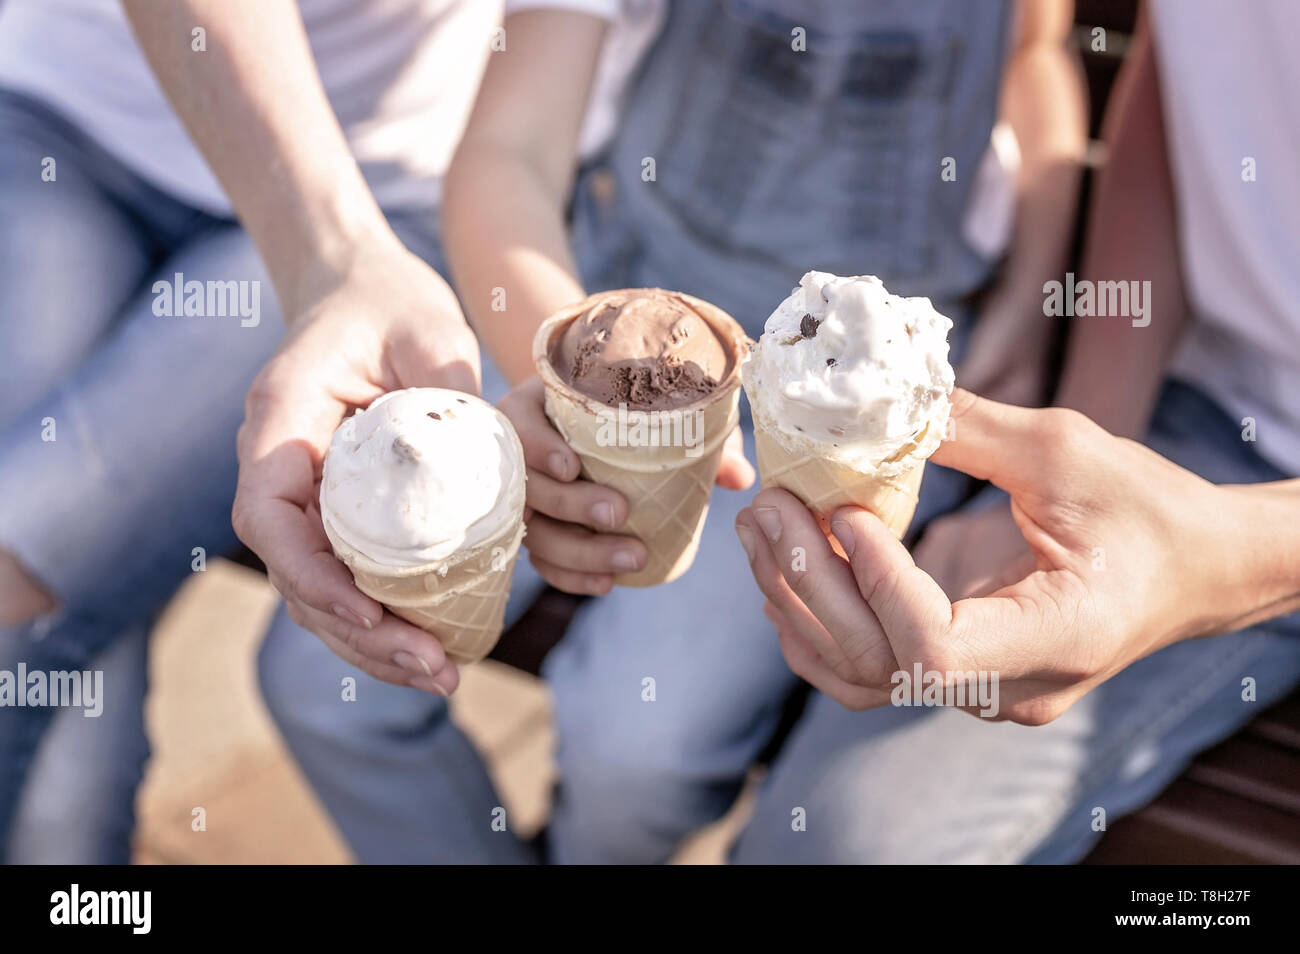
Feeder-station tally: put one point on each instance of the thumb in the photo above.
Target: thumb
(1000, 443)
(734, 471)
(910, 605)
(445, 355)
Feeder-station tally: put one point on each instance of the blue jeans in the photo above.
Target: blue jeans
(636, 776)
(142, 466)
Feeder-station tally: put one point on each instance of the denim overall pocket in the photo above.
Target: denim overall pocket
(825, 156)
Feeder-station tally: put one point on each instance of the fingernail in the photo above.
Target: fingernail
(412, 664)
(746, 540)
(348, 616)
(843, 533)
(603, 514)
(428, 685)
(769, 518)
(596, 586)
(625, 561)
(559, 465)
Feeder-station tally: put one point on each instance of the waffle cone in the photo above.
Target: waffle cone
(461, 600)
(667, 487)
(890, 491)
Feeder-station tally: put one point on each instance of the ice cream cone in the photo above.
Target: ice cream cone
(422, 497)
(461, 600)
(849, 388)
(667, 486)
(823, 484)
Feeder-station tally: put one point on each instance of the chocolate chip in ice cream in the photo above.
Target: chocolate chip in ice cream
(808, 326)
(404, 451)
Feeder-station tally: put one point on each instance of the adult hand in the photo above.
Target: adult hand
(384, 321)
(572, 523)
(1120, 539)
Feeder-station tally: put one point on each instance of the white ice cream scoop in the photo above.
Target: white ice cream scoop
(859, 372)
(421, 474)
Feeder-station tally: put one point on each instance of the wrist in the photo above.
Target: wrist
(311, 242)
(1267, 543)
(1246, 555)
(324, 264)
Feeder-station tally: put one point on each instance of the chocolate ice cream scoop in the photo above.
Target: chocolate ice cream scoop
(645, 348)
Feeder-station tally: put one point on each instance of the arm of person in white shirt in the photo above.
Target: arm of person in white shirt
(1114, 368)
(365, 315)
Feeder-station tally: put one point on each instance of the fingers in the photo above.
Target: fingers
(576, 501)
(553, 488)
(580, 550)
(800, 573)
(806, 662)
(734, 471)
(281, 444)
(446, 355)
(393, 650)
(1007, 445)
(571, 581)
(783, 604)
(460, 375)
(296, 551)
(910, 606)
(544, 449)
(563, 510)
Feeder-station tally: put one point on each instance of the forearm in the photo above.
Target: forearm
(503, 213)
(1258, 577)
(508, 250)
(1114, 366)
(254, 105)
(1044, 103)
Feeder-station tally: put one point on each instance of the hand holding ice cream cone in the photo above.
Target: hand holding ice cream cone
(643, 384)
(422, 498)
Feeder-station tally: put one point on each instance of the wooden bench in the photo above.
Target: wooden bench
(1238, 803)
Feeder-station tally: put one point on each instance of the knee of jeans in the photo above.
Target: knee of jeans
(273, 677)
(849, 832)
(641, 755)
(626, 802)
(314, 696)
(283, 680)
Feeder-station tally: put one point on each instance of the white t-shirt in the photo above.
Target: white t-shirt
(1230, 83)
(400, 74)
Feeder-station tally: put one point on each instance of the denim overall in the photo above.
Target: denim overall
(770, 161)
(767, 162)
